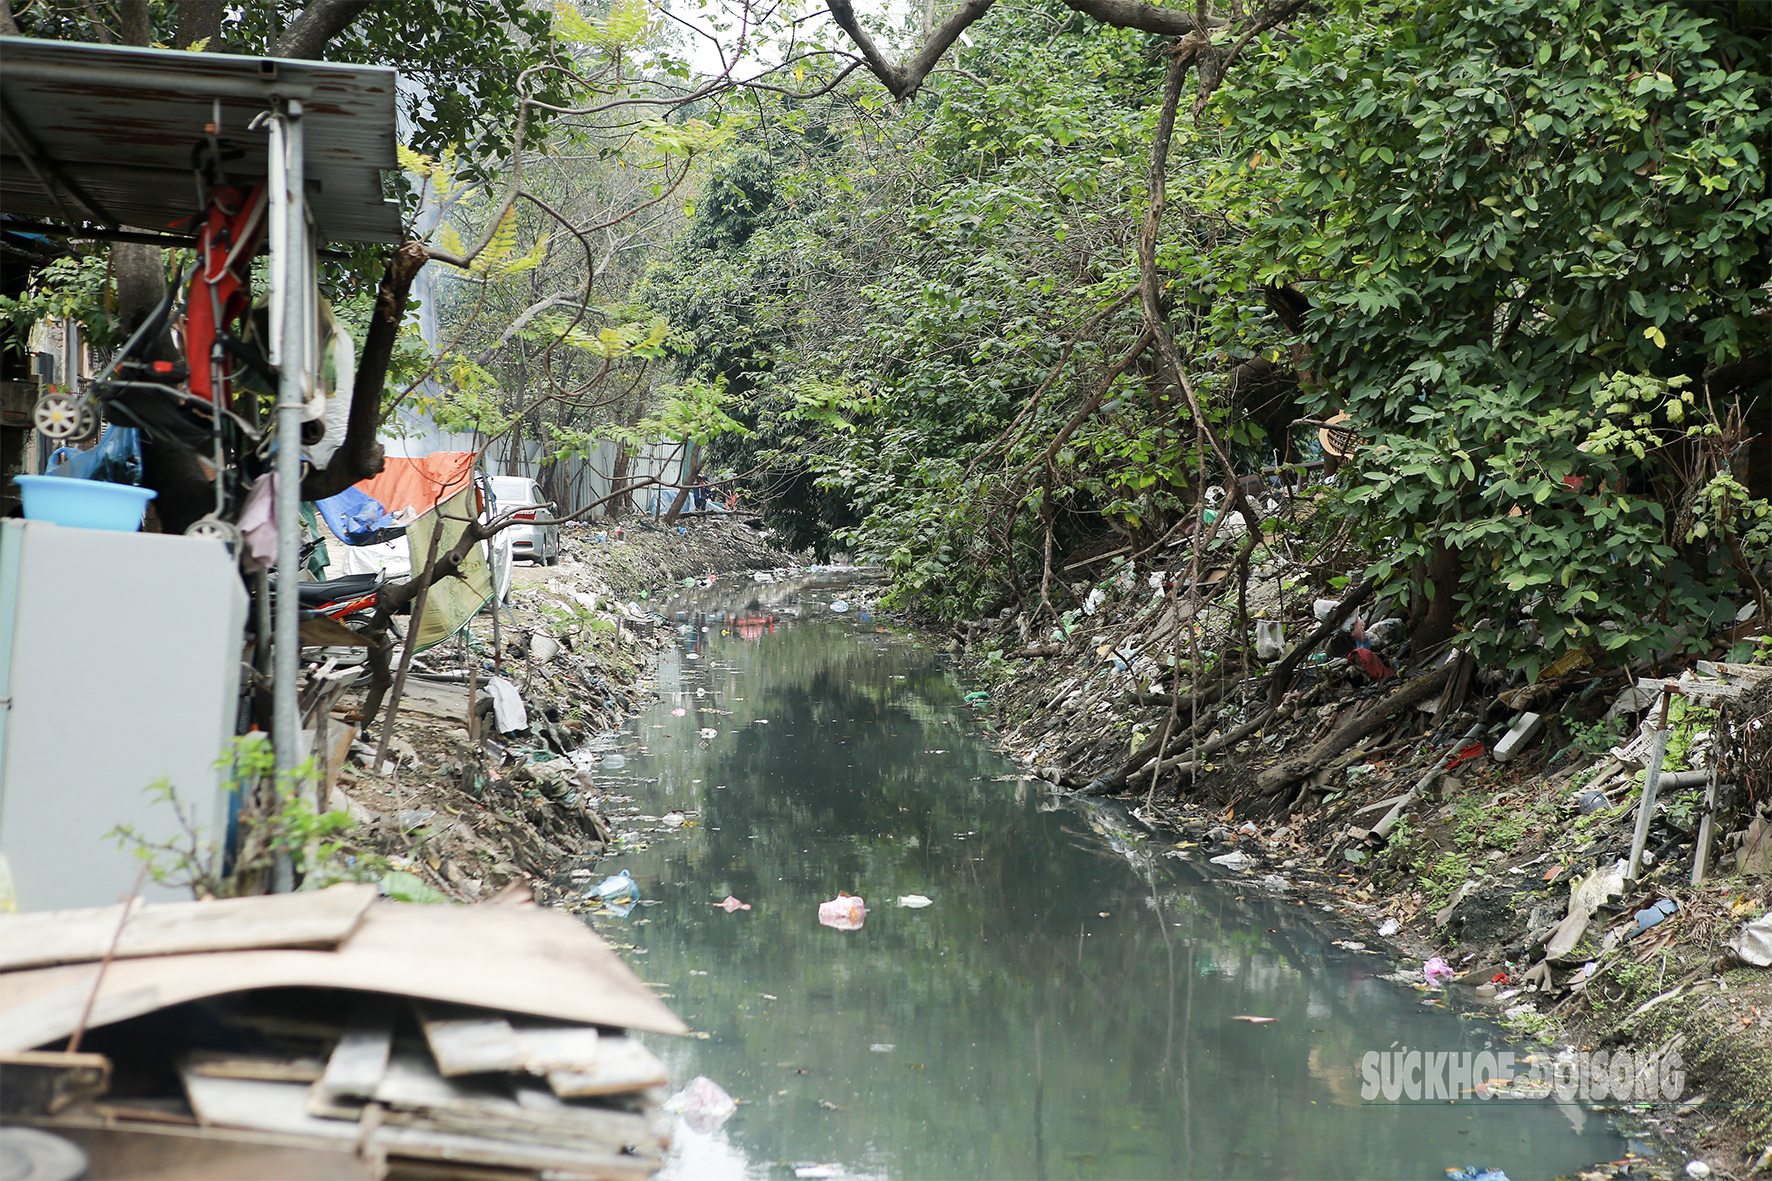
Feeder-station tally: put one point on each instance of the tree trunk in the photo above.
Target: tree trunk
(618, 479)
(135, 21)
(1431, 619)
(1291, 772)
(200, 20)
(682, 496)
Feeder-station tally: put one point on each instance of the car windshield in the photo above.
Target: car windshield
(511, 491)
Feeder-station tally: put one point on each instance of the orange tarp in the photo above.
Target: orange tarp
(420, 484)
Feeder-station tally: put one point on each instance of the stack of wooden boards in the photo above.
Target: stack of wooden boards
(331, 1034)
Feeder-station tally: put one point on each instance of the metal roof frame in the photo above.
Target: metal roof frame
(104, 135)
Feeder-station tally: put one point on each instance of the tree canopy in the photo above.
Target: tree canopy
(992, 296)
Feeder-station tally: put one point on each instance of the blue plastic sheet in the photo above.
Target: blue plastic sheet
(356, 517)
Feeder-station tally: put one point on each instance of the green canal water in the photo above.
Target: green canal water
(1066, 1005)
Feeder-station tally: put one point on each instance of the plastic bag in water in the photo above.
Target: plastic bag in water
(703, 1104)
(845, 912)
(619, 893)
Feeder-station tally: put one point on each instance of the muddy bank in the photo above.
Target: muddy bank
(1288, 739)
(464, 806)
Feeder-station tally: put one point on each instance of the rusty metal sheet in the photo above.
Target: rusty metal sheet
(118, 124)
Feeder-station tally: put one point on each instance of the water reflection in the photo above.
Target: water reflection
(1065, 1006)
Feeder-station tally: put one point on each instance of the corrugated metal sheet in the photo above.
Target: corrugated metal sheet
(121, 124)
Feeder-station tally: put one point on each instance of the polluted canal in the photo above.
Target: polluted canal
(1070, 1002)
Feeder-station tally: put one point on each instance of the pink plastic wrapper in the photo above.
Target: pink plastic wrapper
(845, 912)
(730, 904)
(1437, 971)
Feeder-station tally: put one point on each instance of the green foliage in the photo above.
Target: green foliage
(77, 288)
(884, 297)
(1590, 740)
(1525, 226)
(1439, 876)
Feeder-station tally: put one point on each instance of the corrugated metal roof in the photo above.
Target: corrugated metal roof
(119, 125)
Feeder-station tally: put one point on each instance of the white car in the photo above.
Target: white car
(536, 536)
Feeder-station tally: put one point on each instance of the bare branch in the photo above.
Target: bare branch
(1131, 14)
(902, 79)
(319, 22)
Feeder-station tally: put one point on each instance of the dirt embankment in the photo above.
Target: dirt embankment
(1308, 767)
(462, 808)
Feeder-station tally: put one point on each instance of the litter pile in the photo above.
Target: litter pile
(330, 1034)
(1575, 845)
(468, 800)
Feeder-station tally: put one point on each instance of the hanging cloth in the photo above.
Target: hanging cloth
(221, 284)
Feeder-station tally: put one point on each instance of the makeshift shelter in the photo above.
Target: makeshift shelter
(176, 149)
(416, 496)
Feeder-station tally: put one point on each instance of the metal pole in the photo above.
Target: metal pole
(291, 390)
(1651, 781)
(1701, 853)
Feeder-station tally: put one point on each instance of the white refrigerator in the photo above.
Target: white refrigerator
(120, 659)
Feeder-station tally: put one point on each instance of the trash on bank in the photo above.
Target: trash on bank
(1437, 971)
(845, 912)
(1470, 1173)
(1654, 913)
(507, 706)
(1754, 944)
(839, 605)
(1525, 728)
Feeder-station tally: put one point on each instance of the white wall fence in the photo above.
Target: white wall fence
(577, 481)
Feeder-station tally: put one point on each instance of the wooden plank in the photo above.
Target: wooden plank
(281, 1108)
(416, 1095)
(525, 960)
(160, 1153)
(216, 1064)
(1748, 674)
(470, 1044)
(1701, 690)
(148, 1109)
(549, 1048)
(320, 918)
(43, 1082)
(622, 1065)
(413, 1084)
(464, 1041)
(360, 1060)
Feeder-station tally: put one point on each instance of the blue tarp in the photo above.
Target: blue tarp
(356, 517)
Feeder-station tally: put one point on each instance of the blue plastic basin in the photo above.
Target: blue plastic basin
(84, 504)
